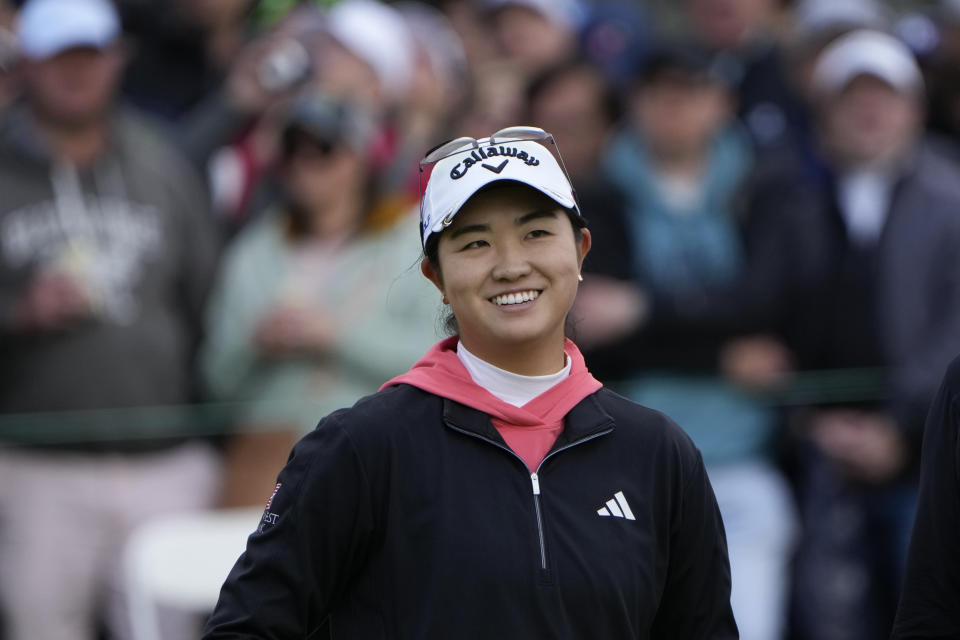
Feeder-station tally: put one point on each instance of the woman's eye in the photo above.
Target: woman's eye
(538, 233)
(476, 244)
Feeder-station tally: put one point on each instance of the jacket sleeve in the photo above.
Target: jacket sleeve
(930, 602)
(696, 598)
(316, 532)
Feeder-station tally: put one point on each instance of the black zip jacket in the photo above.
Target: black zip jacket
(407, 516)
(930, 600)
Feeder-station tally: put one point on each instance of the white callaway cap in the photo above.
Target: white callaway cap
(457, 177)
(867, 52)
(48, 27)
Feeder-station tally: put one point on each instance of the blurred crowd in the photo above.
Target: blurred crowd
(214, 204)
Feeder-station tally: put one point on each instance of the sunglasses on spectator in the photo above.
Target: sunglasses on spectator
(300, 141)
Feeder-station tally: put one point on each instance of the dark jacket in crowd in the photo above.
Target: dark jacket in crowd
(895, 304)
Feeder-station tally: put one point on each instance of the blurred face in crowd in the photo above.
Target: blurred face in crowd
(317, 172)
(727, 24)
(74, 88)
(497, 100)
(340, 73)
(678, 115)
(433, 94)
(466, 19)
(572, 108)
(531, 38)
(870, 122)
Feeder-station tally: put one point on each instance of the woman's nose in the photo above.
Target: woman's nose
(512, 263)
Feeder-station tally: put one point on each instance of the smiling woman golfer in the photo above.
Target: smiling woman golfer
(495, 490)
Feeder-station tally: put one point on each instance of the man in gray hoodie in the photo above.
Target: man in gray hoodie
(106, 254)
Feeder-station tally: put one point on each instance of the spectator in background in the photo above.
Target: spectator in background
(368, 57)
(573, 101)
(744, 31)
(106, 254)
(359, 50)
(888, 296)
(678, 322)
(232, 134)
(8, 56)
(534, 34)
(308, 314)
(615, 36)
(943, 74)
(182, 51)
(439, 87)
(817, 23)
(467, 21)
(496, 99)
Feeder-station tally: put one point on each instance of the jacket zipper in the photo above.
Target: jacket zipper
(534, 478)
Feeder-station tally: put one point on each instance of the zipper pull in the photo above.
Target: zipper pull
(536, 483)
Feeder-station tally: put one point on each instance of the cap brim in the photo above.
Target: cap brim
(445, 221)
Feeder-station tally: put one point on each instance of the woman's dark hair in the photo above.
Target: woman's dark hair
(431, 254)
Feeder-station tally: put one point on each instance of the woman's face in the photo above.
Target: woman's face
(318, 173)
(508, 268)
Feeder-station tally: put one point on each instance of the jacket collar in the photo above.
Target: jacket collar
(586, 419)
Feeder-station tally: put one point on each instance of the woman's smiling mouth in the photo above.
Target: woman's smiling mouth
(515, 297)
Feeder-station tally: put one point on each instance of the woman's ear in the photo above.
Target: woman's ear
(431, 274)
(583, 246)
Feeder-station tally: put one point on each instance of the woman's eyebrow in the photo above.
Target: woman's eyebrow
(469, 228)
(533, 215)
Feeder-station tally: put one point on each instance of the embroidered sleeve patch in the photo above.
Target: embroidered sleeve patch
(273, 495)
(269, 518)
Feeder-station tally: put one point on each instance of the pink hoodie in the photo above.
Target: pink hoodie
(530, 430)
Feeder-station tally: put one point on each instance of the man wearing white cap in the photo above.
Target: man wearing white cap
(106, 252)
(889, 297)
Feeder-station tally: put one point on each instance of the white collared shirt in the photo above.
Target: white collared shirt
(510, 387)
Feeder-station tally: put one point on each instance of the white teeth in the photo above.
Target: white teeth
(515, 298)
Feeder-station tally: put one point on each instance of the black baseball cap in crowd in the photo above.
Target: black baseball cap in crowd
(329, 120)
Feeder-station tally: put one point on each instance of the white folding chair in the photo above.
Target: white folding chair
(180, 562)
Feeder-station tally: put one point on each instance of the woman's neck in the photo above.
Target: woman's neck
(530, 358)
